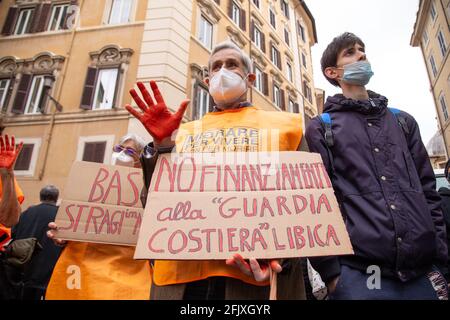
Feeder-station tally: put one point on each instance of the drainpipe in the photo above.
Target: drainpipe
(48, 138)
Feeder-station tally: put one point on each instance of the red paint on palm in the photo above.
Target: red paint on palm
(8, 152)
(155, 116)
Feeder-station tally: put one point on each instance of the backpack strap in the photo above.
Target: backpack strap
(400, 119)
(326, 121)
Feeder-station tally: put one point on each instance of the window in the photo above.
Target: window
(94, 151)
(444, 107)
(433, 12)
(307, 91)
(236, 14)
(425, 37)
(202, 102)
(27, 159)
(293, 107)
(301, 31)
(205, 32)
(24, 159)
(120, 11)
(275, 56)
(105, 89)
(286, 37)
(304, 60)
(442, 43)
(433, 65)
(58, 17)
(257, 37)
(24, 21)
(4, 89)
(272, 18)
(289, 72)
(277, 95)
(284, 8)
(36, 98)
(259, 79)
(256, 3)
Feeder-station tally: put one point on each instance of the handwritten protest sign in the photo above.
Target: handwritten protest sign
(208, 206)
(101, 203)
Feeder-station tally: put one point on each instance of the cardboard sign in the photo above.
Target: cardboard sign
(210, 206)
(101, 203)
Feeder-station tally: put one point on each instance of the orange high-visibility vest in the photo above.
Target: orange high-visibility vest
(238, 130)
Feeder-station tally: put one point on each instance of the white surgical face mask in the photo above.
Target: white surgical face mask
(122, 159)
(226, 87)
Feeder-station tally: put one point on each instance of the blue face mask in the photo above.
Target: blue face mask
(358, 73)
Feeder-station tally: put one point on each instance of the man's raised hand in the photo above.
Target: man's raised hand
(8, 152)
(155, 116)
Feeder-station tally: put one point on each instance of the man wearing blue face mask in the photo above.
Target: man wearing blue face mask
(385, 186)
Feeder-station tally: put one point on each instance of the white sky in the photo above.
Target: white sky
(385, 26)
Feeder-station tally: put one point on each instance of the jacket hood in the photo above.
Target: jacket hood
(376, 104)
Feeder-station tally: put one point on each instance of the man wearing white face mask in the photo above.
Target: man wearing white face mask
(234, 125)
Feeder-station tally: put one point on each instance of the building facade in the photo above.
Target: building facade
(432, 34)
(66, 67)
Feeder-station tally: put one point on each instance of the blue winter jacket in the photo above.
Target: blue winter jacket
(385, 186)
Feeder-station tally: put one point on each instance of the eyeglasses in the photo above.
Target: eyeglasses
(128, 150)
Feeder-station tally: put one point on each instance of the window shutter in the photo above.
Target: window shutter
(283, 102)
(287, 10)
(22, 94)
(24, 159)
(279, 60)
(40, 17)
(194, 105)
(252, 30)
(116, 89)
(265, 84)
(89, 89)
(35, 15)
(296, 108)
(10, 22)
(94, 151)
(230, 8)
(263, 42)
(243, 20)
(211, 103)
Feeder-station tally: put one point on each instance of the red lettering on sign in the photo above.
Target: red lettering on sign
(193, 173)
(231, 212)
(208, 238)
(331, 234)
(102, 175)
(135, 189)
(203, 174)
(278, 246)
(171, 242)
(243, 236)
(171, 174)
(281, 204)
(299, 209)
(196, 239)
(323, 200)
(228, 172)
(150, 241)
(230, 234)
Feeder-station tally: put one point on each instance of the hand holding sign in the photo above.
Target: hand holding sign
(259, 271)
(156, 117)
(8, 152)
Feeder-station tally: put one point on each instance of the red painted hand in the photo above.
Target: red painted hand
(8, 152)
(259, 271)
(156, 117)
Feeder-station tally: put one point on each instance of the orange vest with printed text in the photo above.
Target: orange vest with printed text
(246, 129)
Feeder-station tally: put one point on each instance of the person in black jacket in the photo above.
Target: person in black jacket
(33, 223)
(445, 205)
(385, 186)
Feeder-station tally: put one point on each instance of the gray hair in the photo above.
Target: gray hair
(247, 62)
(49, 193)
(140, 143)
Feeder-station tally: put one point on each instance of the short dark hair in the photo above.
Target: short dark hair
(331, 53)
(49, 194)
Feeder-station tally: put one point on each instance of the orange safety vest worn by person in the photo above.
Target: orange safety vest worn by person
(246, 129)
(92, 271)
(235, 126)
